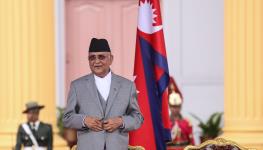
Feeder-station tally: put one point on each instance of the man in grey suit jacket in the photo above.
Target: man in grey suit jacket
(102, 106)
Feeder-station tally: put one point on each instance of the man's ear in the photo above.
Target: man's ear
(111, 58)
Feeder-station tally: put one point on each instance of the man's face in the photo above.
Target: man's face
(175, 110)
(32, 115)
(100, 62)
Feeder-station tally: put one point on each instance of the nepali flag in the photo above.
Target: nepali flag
(151, 79)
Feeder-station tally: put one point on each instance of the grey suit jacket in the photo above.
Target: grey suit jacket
(83, 101)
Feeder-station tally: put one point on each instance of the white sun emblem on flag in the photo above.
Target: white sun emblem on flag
(147, 18)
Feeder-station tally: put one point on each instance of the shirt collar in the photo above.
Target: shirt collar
(107, 77)
(36, 124)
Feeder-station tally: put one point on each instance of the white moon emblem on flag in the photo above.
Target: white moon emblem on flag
(146, 18)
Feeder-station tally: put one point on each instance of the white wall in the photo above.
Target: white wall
(194, 41)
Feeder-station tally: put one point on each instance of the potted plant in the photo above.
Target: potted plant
(68, 134)
(210, 129)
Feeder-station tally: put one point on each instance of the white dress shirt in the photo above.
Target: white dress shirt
(36, 125)
(103, 85)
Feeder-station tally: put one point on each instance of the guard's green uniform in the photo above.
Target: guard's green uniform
(43, 136)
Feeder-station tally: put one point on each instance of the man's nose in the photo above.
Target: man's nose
(97, 60)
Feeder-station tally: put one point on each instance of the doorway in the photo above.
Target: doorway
(115, 20)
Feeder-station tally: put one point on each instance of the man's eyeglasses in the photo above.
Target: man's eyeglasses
(100, 57)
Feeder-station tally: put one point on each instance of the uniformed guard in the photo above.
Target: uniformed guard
(181, 128)
(34, 134)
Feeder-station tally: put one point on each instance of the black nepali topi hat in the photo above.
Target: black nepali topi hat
(32, 106)
(99, 45)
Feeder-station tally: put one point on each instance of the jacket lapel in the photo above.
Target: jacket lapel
(114, 88)
(93, 94)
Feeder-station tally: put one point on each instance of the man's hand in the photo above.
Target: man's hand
(93, 123)
(112, 124)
